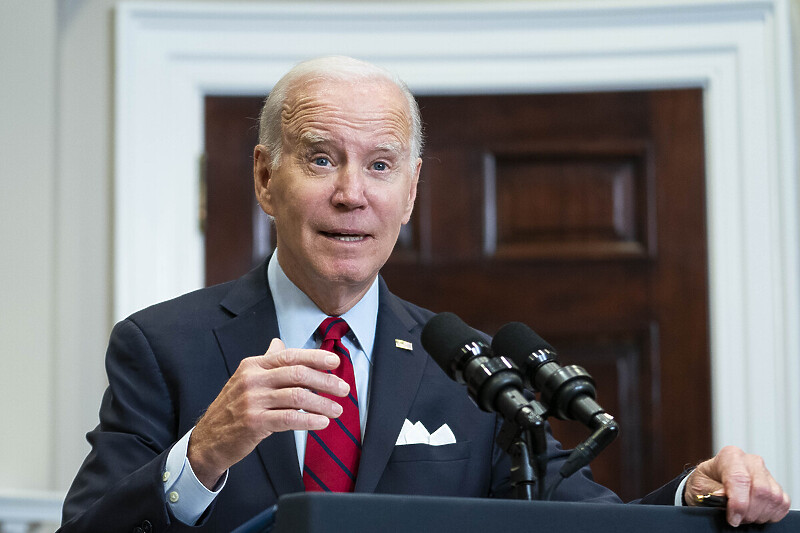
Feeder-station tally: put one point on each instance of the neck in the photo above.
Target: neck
(331, 297)
(335, 301)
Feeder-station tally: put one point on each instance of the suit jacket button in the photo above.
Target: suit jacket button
(147, 527)
(137, 529)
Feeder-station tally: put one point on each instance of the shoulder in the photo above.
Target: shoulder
(207, 307)
(409, 313)
(189, 307)
(419, 314)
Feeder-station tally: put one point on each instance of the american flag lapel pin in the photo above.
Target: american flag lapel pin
(403, 345)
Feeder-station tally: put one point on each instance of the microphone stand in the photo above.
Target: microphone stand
(525, 442)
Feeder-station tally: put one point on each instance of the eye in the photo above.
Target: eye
(322, 161)
(379, 166)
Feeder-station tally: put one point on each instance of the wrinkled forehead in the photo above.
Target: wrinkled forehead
(371, 109)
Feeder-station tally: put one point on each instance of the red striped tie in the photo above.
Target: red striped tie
(332, 454)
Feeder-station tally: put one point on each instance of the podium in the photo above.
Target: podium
(362, 513)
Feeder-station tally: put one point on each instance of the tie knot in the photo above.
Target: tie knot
(333, 328)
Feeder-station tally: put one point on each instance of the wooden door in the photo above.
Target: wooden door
(581, 215)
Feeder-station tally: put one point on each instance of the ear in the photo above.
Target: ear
(412, 192)
(261, 177)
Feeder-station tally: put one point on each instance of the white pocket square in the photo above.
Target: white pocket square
(417, 433)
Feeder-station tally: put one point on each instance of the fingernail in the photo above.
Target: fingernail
(344, 387)
(331, 360)
(736, 520)
(337, 409)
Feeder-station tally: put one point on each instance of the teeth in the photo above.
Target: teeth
(348, 238)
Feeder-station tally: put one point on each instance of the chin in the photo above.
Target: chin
(350, 275)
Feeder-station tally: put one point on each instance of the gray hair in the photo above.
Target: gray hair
(339, 68)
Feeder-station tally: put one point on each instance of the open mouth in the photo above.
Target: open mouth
(345, 237)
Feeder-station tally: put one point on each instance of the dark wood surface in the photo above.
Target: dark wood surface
(582, 215)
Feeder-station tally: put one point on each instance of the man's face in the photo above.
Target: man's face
(345, 184)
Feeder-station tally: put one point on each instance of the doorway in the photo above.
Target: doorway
(582, 215)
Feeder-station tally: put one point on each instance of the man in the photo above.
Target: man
(322, 404)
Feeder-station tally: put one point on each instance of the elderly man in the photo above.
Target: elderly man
(300, 375)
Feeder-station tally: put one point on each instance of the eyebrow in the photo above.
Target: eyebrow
(394, 147)
(309, 138)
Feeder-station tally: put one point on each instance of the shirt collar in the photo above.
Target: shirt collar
(298, 317)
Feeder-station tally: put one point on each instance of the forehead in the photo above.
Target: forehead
(370, 110)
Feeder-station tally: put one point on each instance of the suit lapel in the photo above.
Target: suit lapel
(249, 333)
(396, 375)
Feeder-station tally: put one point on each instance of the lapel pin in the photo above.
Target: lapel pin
(403, 345)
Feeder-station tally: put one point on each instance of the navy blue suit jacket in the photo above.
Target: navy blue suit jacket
(167, 363)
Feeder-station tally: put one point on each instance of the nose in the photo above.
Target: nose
(349, 190)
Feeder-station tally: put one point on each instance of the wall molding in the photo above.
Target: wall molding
(168, 56)
(24, 510)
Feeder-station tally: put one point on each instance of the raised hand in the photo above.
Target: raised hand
(267, 393)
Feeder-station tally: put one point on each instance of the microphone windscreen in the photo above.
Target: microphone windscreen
(517, 341)
(443, 337)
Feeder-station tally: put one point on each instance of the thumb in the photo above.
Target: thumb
(705, 479)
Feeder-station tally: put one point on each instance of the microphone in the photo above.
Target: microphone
(495, 383)
(568, 391)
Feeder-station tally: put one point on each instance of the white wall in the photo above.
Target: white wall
(83, 225)
(28, 153)
(56, 123)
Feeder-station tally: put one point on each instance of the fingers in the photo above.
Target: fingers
(284, 389)
(730, 469)
(276, 345)
(780, 502)
(282, 368)
(313, 412)
(298, 399)
(279, 356)
(753, 494)
(768, 502)
(290, 389)
(288, 409)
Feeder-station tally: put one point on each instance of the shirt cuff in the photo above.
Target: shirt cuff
(679, 501)
(186, 496)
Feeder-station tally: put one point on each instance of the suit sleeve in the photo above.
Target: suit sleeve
(119, 488)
